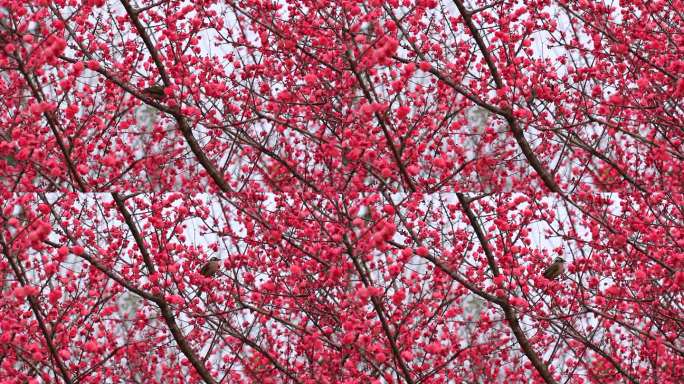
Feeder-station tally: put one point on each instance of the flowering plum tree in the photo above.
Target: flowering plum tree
(383, 183)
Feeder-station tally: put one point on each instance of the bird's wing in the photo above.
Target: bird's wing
(205, 269)
(551, 271)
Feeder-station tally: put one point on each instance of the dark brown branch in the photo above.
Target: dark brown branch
(508, 310)
(517, 132)
(183, 125)
(164, 307)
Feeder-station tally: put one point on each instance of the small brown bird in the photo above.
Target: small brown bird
(155, 92)
(556, 269)
(210, 268)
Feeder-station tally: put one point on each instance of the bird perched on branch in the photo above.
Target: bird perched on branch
(556, 269)
(155, 92)
(210, 268)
